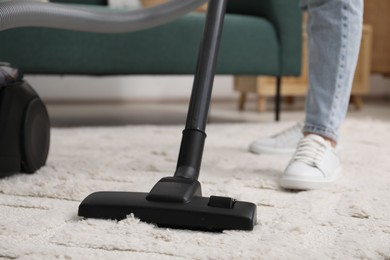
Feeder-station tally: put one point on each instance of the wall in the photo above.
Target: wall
(380, 86)
(125, 88)
(130, 88)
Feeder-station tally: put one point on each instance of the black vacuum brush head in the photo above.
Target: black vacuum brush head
(200, 213)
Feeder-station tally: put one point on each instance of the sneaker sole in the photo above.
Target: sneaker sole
(296, 184)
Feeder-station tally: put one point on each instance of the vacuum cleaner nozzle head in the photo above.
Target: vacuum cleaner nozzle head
(200, 213)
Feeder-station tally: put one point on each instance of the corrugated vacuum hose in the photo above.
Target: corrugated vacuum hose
(23, 13)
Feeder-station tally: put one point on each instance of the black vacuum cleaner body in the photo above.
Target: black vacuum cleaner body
(24, 129)
(174, 202)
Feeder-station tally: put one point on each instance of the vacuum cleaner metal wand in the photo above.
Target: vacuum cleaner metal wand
(194, 134)
(177, 201)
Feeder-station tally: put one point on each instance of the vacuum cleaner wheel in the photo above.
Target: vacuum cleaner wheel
(36, 136)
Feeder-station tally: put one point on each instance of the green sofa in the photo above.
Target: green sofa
(261, 37)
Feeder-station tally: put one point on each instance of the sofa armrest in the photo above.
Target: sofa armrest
(286, 17)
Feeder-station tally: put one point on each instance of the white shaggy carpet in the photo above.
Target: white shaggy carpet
(38, 213)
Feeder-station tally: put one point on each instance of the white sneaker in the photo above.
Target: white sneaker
(314, 165)
(284, 142)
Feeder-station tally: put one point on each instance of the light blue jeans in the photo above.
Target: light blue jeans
(334, 34)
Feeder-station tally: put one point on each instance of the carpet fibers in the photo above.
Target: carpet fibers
(349, 220)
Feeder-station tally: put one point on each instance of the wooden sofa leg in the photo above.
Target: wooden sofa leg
(278, 97)
(357, 101)
(242, 101)
(261, 103)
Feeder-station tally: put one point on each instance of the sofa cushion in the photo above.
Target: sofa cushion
(249, 47)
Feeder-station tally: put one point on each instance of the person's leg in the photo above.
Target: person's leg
(334, 35)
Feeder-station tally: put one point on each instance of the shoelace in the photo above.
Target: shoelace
(288, 133)
(309, 151)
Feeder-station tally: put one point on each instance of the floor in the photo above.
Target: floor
(174, 112)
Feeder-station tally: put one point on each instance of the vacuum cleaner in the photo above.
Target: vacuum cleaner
(24, 125)
(174, 202)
